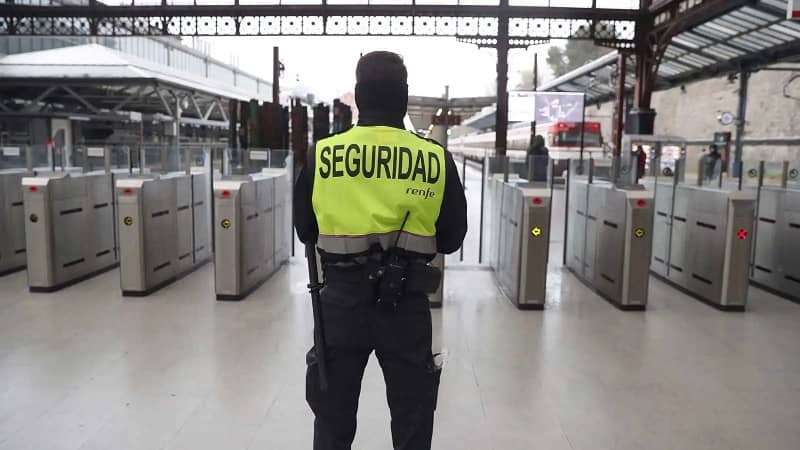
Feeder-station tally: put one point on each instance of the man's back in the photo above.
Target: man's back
(378, 202)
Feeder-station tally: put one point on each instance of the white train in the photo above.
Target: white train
(563, 140)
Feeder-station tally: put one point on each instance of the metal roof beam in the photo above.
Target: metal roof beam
(325, 10)
(136, 94)
(164, 101)
(680, 21)
(80, 99)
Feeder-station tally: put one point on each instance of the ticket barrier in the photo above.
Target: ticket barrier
(609, 237)
(69, 228)
(252, 230)
(12, 221)
(776, 253)
(164, 228)
(15, 164)
(18, 162)
(702, 241)
(519, 233)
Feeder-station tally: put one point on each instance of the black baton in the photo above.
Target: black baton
(314, 287)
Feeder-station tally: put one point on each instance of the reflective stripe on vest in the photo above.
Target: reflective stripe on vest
(348, 245)
(365, 181)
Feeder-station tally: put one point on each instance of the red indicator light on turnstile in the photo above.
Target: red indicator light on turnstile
(742, 234)
(537, 201)
(33, 189)
(641, 203)
(226, 193)
(127, 191)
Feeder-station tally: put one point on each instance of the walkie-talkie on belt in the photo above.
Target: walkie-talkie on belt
(394, 273)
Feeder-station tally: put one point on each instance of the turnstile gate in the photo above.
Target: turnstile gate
(519, 235)
(16, 163)
(69, 228)
(12, 221)
(610, 240)
(702, 241)
(252, 230)
(776, 253)
(164, 229)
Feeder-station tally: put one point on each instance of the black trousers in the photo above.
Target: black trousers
(401, 338)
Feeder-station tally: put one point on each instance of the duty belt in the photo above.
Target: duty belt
(417, 277)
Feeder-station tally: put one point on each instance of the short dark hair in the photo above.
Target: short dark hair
(381, 66)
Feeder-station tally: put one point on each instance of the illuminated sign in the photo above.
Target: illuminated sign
(128, 220)
(545, 107)
(226, 223)
(34, 218)
(639, 232)
(536, 231)
(742, 234)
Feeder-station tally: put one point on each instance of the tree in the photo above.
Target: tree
(575, 54)
(526, 79)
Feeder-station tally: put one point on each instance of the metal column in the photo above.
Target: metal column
(741, 119)
(501, 124)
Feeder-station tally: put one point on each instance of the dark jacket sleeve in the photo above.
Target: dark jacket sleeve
(305, 222)
(451, 227)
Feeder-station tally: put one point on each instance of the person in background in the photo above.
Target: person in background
(641, 162)
(538, 156)
(712, 158)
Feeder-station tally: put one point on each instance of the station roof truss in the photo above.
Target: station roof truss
(611, 27)
(753, 35)
(421, 110)
(95, 82)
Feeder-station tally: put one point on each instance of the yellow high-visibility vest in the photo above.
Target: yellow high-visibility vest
(366, 179)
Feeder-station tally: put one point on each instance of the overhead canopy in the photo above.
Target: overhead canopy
(749, 37)
(421, 110)
(102, 82)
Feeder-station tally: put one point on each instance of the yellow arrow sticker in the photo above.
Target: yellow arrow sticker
(128, 220)
(639, 232)
(536, 231)
(226, 223)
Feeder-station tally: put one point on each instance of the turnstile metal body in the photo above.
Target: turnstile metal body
(69, 228)
(251, 230)
(776, 259)
(610, 240)
(520, 236)
(702, 241)
(164, 229)
(12, 221)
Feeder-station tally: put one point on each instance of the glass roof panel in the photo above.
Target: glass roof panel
(754, 20)
(760, 38)
(739, 42)
(690, 40)
(786, 30)
(725, 30)
(724, 51)
(777, 35)
(752, 12)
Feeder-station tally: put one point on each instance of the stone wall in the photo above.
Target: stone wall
(692, 113)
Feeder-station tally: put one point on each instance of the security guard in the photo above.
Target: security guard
(379, 202)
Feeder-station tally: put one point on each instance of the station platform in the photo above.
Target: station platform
(85, 368)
